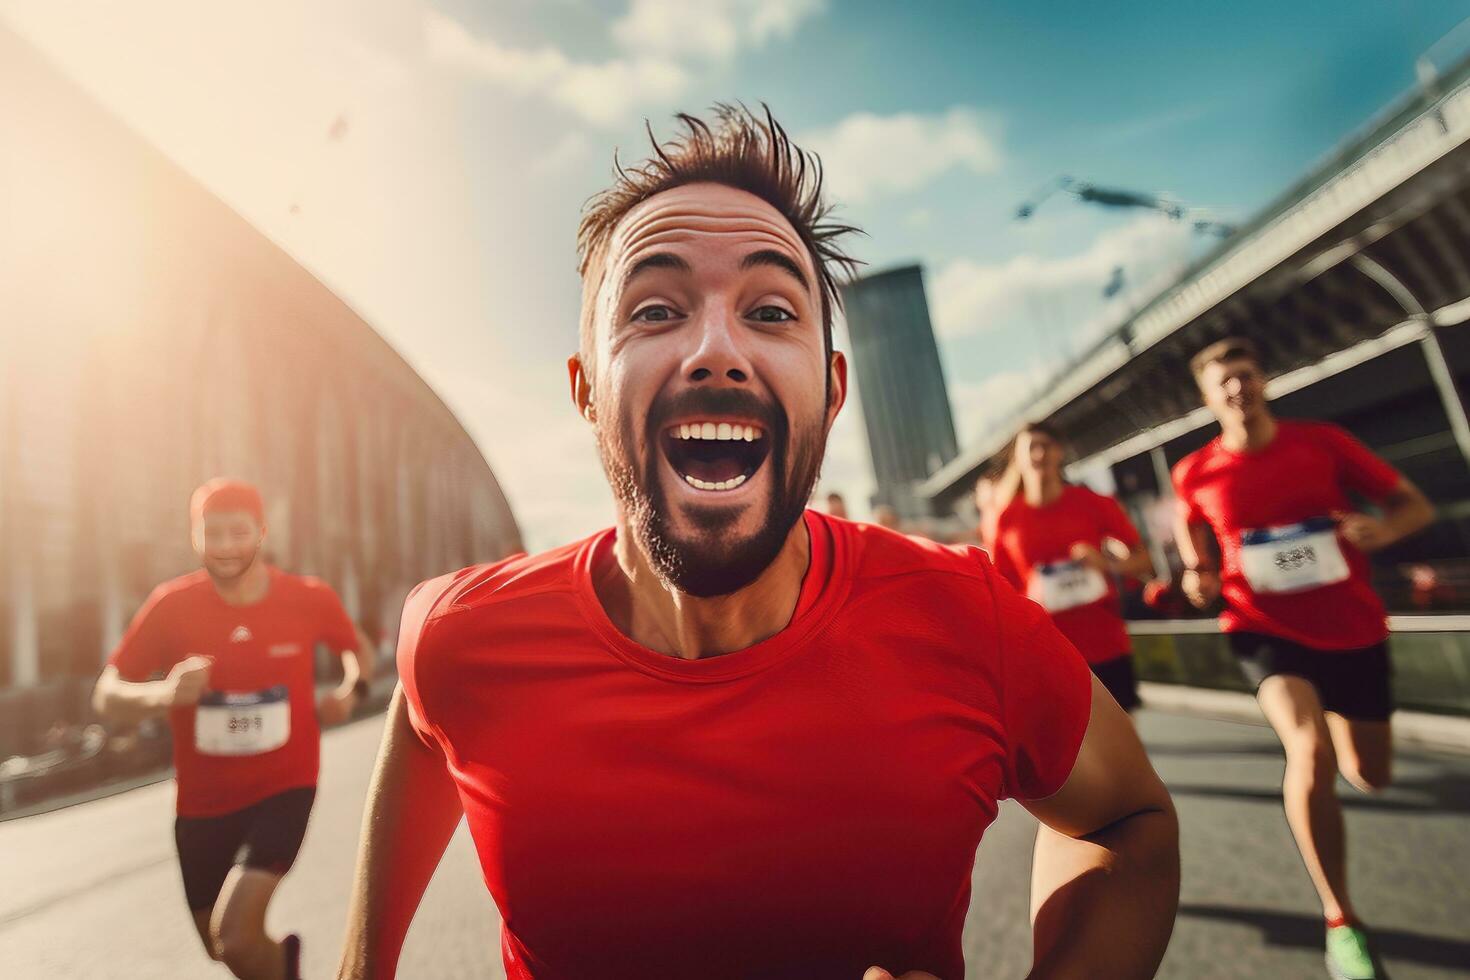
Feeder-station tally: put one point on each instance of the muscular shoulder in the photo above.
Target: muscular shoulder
(882, 555)
(1312, 431)
(463, 613)
(305, 587)
(179, 592)
(485, 593)
(1187, 470)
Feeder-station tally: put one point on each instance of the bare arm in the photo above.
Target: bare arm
(1201, 582)
(1406, 511)
(129, 702)
(365, 655)
(412, 810)
(1105, 876)
(1135, 563)
(338, 705)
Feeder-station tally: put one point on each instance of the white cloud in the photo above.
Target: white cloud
(603, 93)
(1060, 294)
(979, 405)
(866, 155)
(713, 29)
(569, 149)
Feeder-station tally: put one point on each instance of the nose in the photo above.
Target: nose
(719, 358)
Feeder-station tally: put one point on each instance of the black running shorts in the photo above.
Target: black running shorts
(1352, 683)
(1117, 676)
(264, 836)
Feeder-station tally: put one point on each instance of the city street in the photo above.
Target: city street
(92, 890)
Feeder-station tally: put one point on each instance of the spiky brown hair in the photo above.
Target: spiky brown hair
(741, 150)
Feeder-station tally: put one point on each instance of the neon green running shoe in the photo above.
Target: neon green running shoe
(1347, 954)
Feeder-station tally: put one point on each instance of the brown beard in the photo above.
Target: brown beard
(700, 564)
(254, 557)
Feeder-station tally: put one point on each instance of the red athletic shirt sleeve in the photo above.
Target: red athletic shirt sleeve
(1115, 522)
(1046, 696)
(1184, 492)
(1005, 564)
(1359, 468)
(413, 651)
(336, 628)
(143, 649)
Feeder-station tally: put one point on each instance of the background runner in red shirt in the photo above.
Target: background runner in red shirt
(729, 738)
(1300, 613)
(236, 642)
(1062, 545)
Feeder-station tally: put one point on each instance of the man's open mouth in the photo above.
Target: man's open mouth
(715, 456)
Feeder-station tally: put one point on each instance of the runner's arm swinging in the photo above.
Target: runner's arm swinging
(1130, 562)
(412, 810)
(129, 702)
(1201, 582)
(1105, 875)
(1406, 511)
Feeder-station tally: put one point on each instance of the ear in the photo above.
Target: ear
(581, 387)
(837, 386)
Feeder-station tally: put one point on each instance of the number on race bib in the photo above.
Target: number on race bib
(1293, 557)
(248, 723)
(1062, 585)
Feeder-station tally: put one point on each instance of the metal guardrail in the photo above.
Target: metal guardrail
(1200, 627)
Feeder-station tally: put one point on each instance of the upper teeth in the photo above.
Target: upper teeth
(722, 431)
(706, 485)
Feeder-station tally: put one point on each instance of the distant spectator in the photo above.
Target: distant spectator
(886, 516)
(836, 506)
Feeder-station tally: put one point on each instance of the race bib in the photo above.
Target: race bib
(1293, 557)
(244, 723)
(1062, 585)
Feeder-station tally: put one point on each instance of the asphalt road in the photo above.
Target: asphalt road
(92, 890)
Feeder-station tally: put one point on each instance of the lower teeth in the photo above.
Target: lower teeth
(724, 485)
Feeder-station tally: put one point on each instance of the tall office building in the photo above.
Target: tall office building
(901, 384)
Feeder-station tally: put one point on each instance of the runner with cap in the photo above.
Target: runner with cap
(1063, 545)
(1300, 612)
(235, 644)
(732, 737)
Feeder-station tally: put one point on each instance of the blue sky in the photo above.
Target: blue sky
(446, 212)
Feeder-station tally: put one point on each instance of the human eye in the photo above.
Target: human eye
(655, 313)
(772, 314)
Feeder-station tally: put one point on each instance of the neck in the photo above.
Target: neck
(664, 619)
(246, 588)
(1249, 434)
(1041, 488)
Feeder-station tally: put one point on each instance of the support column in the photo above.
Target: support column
(1439, 368)
(1449, 392)
(25, 638)
(1166, 493)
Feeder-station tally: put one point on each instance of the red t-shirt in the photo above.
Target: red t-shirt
(269, 644)
(806, 807)
(1031, 541)
(1295, 486)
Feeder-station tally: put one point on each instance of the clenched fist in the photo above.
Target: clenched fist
(878, 973)
(188, 679)
(1201, 587)
(1367, 534)
(336, 707)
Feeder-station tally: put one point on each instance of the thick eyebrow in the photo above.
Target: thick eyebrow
(658, 260)
(769, 256)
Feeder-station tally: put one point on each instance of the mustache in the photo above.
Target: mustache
(716, 401)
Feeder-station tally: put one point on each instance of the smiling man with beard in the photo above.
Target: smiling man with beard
(236, 643)
(729, 736)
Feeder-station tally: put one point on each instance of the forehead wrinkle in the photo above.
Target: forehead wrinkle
(679, 233)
